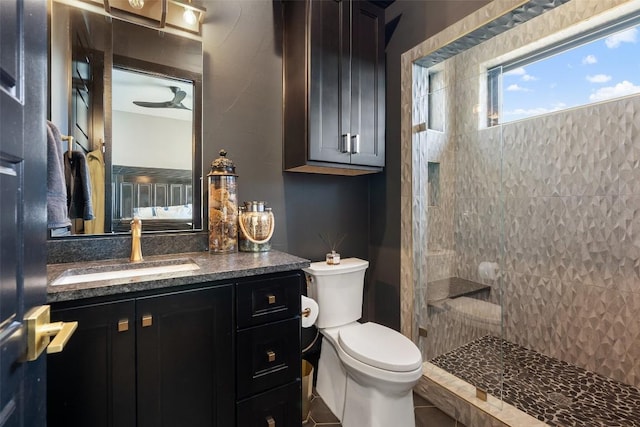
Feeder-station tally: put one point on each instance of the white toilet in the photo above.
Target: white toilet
(366, 371)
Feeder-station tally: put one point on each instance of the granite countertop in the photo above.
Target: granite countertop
(212, 267)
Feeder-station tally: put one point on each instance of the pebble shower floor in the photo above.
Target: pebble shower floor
(550, 390)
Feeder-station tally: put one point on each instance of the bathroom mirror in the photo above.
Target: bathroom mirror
(133, 96)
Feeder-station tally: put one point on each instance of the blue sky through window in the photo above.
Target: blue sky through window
(603, 69)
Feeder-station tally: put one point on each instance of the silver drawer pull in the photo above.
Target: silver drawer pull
(271, 356)
(271, 299)
(270, 421)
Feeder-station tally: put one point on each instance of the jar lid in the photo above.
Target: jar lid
(222, 165)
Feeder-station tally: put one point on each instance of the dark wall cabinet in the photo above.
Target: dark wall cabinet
(334, 87)
(183, 358)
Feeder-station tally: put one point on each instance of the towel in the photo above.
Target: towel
(96, 175)
(57, 211)
(76, 173)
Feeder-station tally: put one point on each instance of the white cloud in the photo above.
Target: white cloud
(516, 72)
(520, 71)
(598, 78)
(621, 89)
(627, 36)
(589, 59)
(515, 88)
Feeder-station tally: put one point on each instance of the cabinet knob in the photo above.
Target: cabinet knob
(123, 325)
(147, 320)
(270, 421)
(271, 299)
(271, 356)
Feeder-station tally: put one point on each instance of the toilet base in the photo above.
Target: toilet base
(332, 379)
(366, 406)
(350, 396)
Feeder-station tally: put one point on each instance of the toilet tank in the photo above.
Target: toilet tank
(338, 290)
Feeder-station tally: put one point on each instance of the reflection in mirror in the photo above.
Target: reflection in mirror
(155, 185)
(131, 97)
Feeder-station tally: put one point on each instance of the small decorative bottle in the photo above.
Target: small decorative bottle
(223, 205)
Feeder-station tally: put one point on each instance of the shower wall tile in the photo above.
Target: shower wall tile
(589, 153)
(630, 146)
(592, 244)
(627, 232)
(531, 158)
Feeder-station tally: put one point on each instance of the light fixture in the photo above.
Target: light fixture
(186, 15)
(192, 14)
(136, 4)
(189, 17)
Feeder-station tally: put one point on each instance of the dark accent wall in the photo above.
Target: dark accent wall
(416, 22)
(243, 114)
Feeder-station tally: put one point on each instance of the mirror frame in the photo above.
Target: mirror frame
(199, 196)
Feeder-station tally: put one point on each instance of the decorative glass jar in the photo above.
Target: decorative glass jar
(256, 225)
(223, 205)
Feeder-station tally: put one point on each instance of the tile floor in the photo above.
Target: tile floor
(427, 415)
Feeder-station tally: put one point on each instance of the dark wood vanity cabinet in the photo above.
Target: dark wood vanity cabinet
(160, 360)
(215, 355)
(268, 370)
(334, 87)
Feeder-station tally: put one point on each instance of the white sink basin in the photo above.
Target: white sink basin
(122, 271)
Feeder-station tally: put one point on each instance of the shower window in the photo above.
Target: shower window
(599, 65)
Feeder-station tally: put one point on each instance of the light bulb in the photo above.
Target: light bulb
(136, 4)
(189, 17)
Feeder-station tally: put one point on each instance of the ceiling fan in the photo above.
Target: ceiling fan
(176, 102)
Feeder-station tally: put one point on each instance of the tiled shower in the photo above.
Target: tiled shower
(552, 202)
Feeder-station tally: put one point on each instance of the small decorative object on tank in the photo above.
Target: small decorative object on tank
(333, 257)
(223, 205)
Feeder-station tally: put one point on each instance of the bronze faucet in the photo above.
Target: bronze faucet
(136, 233)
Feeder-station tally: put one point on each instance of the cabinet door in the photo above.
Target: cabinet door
(329, 86)
(185, 359)
(367, 84)
(92, 382)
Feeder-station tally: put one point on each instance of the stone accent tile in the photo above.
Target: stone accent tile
(588, 147)
(630, 146)
(627, 232)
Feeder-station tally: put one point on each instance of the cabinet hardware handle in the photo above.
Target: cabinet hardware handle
(355, 145)
(123, 325)
(147, 320)
(306, 312)
(345, 143)
(271, 299)
(270, 421)
(271, 356)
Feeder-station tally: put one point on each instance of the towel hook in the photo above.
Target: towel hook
(70, 144)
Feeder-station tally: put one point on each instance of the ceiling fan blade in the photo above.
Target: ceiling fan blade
(180, 95)
(167, 104)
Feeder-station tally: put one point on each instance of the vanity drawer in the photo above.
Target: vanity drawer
(281, 407)
(268, 300)
(268, 356)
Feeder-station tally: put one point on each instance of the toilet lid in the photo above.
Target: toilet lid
(379, 346)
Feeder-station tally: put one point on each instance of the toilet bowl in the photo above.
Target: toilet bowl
(366, 371)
